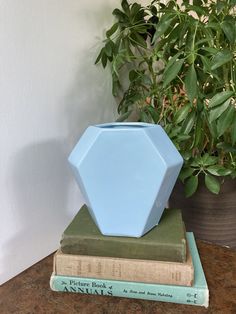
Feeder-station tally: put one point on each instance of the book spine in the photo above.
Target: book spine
(165, 293)
(124, 269)
(110, 247)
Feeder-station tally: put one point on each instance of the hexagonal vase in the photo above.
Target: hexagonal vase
(126, 172)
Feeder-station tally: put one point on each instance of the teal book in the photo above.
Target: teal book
(197, 294)
(165, 242)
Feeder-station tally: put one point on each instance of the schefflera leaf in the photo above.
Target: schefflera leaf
(221, 58)
(191, 83)
(172, 71)
(191, 185)
(212, 184)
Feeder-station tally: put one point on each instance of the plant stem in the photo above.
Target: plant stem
(226, 79)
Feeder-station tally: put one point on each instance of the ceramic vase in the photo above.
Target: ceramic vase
(126, 172)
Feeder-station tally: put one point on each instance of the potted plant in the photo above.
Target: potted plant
(175, 65)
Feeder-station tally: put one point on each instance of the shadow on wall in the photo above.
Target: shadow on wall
(90, 100)
(40, 184)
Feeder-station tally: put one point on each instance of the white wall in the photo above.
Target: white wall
(50, 91)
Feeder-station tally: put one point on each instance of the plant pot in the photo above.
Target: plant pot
(211, 217)
(126, 172)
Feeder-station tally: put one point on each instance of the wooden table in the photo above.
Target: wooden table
(29, 292)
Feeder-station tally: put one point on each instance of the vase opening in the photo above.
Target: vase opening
(124, 125)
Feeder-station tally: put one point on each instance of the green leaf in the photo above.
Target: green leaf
(233, 131)
(108, 49)
(112, 30)
(200, 105)
(197, 3)
(191, 186)
(115, 84)
(219, 171)
(214, 170)
(197, 8)
(124, 116)
(225, 172)
(206, 63)
(138, 40)
(213, 129)
(217, 111)
(174, 34)
(221, 58)
(153, 113)
(163, 25)
(190, 44)
(211, 50)
(153, 10)
(226, 147)
(99, 56)
(225, 121)
(232, 3)
(182, 33)
(174, 130)
(214, 26)
(198, 131)
(104, 60)
(220, 98)
(191, 83)
(182, 113)
(185, 173)
(212, 184)
(196, 162)
(133, 75)
(229, 30)
(144, 117)
(201, 41)
(121, 16)
(172, 72)
(207, 160)
(220, 5)
(189, 123)
(135, 9)
(125, 6)
(127, 51)
(138, 19)
(172, 60)
(186, 155)
(117, 63)
(183, 137)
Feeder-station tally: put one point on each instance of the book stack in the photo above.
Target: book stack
(162, 265)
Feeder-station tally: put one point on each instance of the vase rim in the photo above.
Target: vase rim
(125, 125)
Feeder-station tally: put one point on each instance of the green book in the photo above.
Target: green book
(197, 294)
(165, 242)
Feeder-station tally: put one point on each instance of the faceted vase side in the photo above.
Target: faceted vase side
(126, 172)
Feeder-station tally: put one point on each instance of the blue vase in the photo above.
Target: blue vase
(126, 172)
